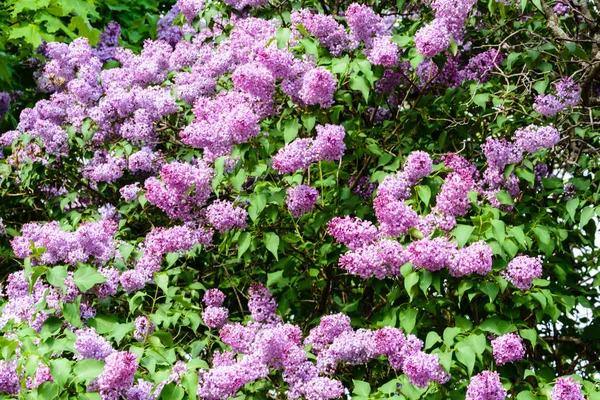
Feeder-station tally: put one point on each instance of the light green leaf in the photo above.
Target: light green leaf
(360, 83)
(462, 233)
(60, 370)
(87, 370)
(408, 319)
(361, 388)
(243, 243)
(466, 355)
(86, 277)
(272, 243)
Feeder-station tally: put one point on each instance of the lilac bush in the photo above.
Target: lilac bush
(307, 200)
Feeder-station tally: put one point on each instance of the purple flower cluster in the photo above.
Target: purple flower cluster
(432, 39)
(301, 199)
(352, 232)
(331, 34)
(522, 270)
(486, 386)
(91, 239)
(4, 104)
(183, 188)
(117, 376)
(475, 258)
(381, 259)
(534, 138)
(159, 242)
(394, 216)
(567, 95)
(431, 254)
(88, 344)
(299, 154)
(508, 348)
(143, 328)
(214, 316)
(318, 87)
(224, 216)
(261, 304)
(567, 389)
(10, 381)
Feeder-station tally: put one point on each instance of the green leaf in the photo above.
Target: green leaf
(361, 388)
(466, 355)
(432, 339)
(540, 86)
(291, 130)
(282, 35)
(272, 243)
(60, 370)
(529, 334)
(512, 57)
(586, 215)
(276, 279)
(527, 396)
(491, 289)
(504, 198)
(408, 319)
(87, 370)
(71, 311)
(481, 99)
(449, 335)
(360, 83)
(545, 242)
(238, 179)
(572, 208)
(424, 193)
(462, 233)
(29, 32)
(56, 276)
(172, 392)
(498, 229)
(86, 277)
(477, 343)
(47, 391)
(243, 243)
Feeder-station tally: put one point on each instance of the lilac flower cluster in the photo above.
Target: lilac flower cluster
(534, 138)
(117, 377)
(299, 154)
(331, 34)
(500, 153)
(508, 348)
(159, 242)
(91, 239)
(352, 232)
(522, 270)
(143, 328)
(567, 389)
(4, 104)
(486, 386)
(270, 344)
(183, 188)
(224, 216)
(88, 344)
(301, 199)
(567, 95)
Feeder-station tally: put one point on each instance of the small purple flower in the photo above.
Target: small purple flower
(143, 328)
(301, 199)
(567, 389)
(215, 317)
(213, 297)
(508, 348)
(486, 386)
(522, 270)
